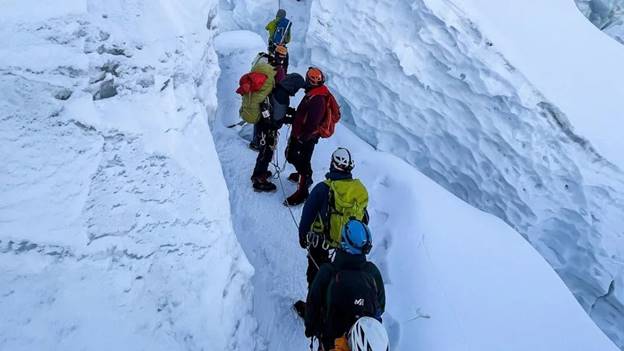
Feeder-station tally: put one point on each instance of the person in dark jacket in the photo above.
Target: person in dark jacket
(316, 209)
(343, 291)
(277, 110)
(304, 135)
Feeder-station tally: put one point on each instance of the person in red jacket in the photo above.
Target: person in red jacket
(304, 135)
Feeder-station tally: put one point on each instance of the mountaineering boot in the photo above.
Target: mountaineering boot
(299, 196)
(267, 175)
(294, 177)
(261, 184)
(299, 308)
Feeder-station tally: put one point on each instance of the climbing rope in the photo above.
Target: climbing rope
(278, 176)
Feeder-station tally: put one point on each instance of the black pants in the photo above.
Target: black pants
(255, 139)
(320, 256)
(267, 139)
(300, 155)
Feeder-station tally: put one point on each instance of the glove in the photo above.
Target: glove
(287, 119)
(308, 332)
(303, 241)
(291, 111)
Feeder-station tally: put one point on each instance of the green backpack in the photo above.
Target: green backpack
(253, 94)
(347, 198)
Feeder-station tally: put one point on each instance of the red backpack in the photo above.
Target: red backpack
(332, 116)
(250, 83)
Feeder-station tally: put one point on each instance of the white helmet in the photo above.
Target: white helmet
(341, 160)
(368, 334)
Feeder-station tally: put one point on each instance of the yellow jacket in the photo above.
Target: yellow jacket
(272, 26)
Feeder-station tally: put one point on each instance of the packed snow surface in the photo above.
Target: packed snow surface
(115, 229)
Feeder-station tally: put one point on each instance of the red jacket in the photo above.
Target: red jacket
(310, 113)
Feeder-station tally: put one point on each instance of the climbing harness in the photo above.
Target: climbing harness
(318, 240)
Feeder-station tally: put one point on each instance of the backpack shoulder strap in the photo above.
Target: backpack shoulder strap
(364, 268)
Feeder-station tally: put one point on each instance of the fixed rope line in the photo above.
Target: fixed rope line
(278, 172)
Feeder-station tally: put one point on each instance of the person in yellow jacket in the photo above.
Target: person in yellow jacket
(279, 30)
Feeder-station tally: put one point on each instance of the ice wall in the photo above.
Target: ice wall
(608, 15)
(115, 229)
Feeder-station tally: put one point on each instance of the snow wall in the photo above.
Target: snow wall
(115, 231)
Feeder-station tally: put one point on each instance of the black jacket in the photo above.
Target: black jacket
(318, 307)
(280, 96)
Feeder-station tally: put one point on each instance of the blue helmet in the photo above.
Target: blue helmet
(356, 238)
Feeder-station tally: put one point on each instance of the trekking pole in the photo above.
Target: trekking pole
(236, 124)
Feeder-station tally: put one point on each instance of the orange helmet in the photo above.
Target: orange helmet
(281, 50)
(315, 76)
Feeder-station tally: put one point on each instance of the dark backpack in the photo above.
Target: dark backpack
(281, 30)
(351, 294)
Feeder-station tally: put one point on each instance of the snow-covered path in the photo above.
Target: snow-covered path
(263, 225)
(456, 278)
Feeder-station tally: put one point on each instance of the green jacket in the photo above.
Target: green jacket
(250, 108)
(271, 26)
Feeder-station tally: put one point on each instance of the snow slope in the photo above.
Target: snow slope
(114, 227)
(456, 278)
(420, 80)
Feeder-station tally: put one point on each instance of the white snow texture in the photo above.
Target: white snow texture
(115, 233)
(127, 219)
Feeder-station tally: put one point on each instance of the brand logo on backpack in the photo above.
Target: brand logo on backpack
(359, 302)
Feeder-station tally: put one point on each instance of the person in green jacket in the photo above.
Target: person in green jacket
(251, 107)
(279, 30)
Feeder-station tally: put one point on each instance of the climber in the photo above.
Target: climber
(312, 113)
(343, 291)
(330, 205)
(279, 61)
(279, 30)
(275, 113)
